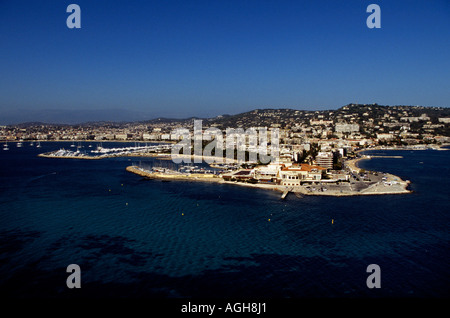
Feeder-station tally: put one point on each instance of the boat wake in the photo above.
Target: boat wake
(39, 177)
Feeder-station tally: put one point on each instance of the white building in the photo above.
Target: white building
(385, 136)
(147, 136)
(346, 128)
(325, 160)
(294, 175)
(422, 117)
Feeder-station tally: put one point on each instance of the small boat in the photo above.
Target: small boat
(38, 144)
(31, 144)
(5, 146)
(19, 144)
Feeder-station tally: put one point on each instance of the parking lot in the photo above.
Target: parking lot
(357, 183)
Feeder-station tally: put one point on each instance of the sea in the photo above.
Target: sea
(138, 238)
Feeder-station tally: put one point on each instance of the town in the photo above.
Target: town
(318, 150)
(352, 124)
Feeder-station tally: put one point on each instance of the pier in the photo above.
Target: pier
(395, 157)
(174, 175)
(285, 193)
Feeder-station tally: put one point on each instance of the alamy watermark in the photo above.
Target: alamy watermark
(374, 279)
(374, 19)
(74, 279)
(74, 19)
(250, 145)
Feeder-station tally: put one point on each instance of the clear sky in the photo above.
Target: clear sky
(211, 57)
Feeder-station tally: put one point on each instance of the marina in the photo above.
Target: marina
(101, 152)
(284, 177)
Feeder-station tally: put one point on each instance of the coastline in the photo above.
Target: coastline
(162, 156)
(205, 177)
(168, 156)
(400, 187)
(392, 185)
(352, 163)
(45, 155)
(96, 141)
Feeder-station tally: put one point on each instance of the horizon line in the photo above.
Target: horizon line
(141, 112)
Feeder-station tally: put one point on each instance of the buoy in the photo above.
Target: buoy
(182, 213)
(269, 220)
(126, 203)
(109, 190)
(332, 221)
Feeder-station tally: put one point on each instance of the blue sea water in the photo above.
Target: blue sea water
(134, 237)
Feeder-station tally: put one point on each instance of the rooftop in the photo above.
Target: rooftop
(302, 167)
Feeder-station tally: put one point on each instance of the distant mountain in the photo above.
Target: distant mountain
(257, 117)
(284, 117)
(171, 120)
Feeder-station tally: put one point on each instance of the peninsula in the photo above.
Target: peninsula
(301, 179)
(319, 150)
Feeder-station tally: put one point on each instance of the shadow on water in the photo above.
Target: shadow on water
(258, 275)
(296, 254)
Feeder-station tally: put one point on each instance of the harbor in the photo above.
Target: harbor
(283, 176)
(100, 152)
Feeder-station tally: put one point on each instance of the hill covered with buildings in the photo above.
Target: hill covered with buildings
(371, 123)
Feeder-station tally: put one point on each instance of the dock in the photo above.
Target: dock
(285, 193)
(396, 157)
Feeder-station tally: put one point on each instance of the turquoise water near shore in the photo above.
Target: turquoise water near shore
(146, 238)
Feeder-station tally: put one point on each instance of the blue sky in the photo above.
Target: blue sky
(205, 58)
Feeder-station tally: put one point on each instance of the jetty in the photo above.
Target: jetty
(285, 192)
(174, 175)
(355, 182)
(394, 157)
(68, 154)
(390, 184)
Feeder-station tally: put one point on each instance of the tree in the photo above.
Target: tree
(337, 165)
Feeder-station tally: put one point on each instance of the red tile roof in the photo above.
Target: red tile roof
(302, 167)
